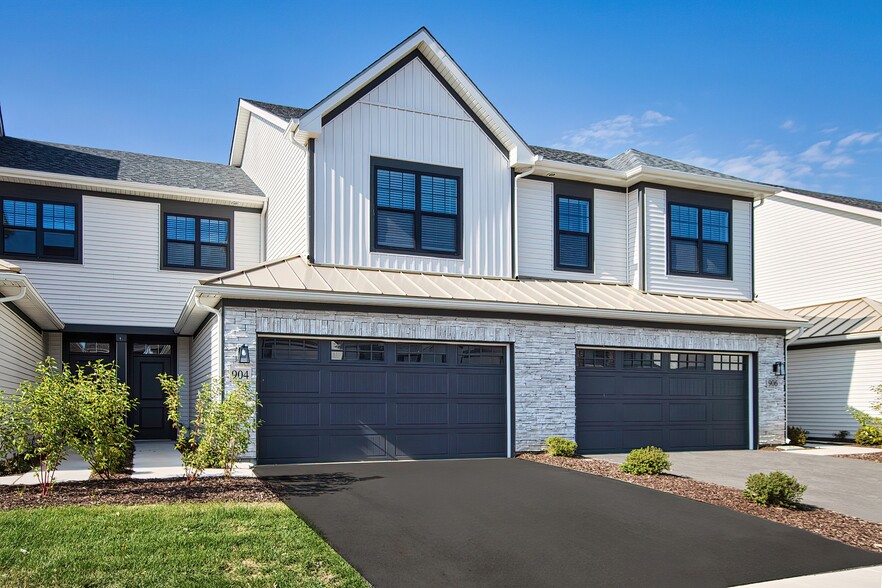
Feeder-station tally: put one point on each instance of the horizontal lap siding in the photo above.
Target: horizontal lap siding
(823, 382)
(279, 168)
(739, 287)
(119, 281)
(808, 254)
(410, 117)
(536, 239)
(21, 348)
(204, 358)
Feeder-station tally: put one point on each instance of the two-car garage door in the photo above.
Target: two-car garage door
(350, 400)
(677, 401)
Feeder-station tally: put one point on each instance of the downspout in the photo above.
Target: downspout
(514, 213)
(643, 232)
(220, 333)
(263, 230)
(15, 297)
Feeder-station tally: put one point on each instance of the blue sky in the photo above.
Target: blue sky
(784, 92)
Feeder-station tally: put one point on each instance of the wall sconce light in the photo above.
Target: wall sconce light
(778, 369)
(244, 354)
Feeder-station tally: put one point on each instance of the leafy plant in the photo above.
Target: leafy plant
(646, 461)
(103, 436)
(841, 435)
(797, 435)
(50, 405)
(560, 447)
(186, 442)
(774, 489)
(870, 430)
(15, 441)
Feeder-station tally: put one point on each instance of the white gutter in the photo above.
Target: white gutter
(514, 212)
(121, 186)
(49, 320)
(220, 332)
(14, 297)
(833, 339)
(251, 293)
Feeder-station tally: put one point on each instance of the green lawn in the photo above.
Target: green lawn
(221, 544)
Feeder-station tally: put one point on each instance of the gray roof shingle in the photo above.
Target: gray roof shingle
(108, 164)
(284, 112)
(569, 156)
(859, 202)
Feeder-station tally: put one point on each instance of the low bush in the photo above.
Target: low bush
(868, 435)
(646, 461)
(560, 447)
(841, 435)
(774, 489)
(15, 442)
(797, 435)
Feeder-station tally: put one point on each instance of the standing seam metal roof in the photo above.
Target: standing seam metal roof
(848, 317)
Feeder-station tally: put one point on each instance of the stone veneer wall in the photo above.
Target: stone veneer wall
(544, 356)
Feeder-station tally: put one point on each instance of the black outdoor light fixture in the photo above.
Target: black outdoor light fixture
(244, 354)
(778, 368)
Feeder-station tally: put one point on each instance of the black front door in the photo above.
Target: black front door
(148, 361)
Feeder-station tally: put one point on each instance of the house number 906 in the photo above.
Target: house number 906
(241, 374)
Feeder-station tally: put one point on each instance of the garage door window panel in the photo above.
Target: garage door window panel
(642, 360)
(688, 361)
(595, 358)
(481, 355)
(420, 353)
(290, 350)
(358, 351)
(728, 363)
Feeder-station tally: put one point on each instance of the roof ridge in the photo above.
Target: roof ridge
(834, 302)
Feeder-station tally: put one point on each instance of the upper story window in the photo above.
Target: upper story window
(196, 243)
(40, 230)
(417, 209)
(698, 241)
(573, 235)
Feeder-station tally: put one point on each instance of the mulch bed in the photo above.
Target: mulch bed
(128, 491)
(850, 530)
(877, 457)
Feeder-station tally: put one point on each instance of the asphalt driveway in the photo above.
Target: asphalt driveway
(508, 522)
(849, 486)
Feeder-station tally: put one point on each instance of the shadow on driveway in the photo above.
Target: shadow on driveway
(508, 522)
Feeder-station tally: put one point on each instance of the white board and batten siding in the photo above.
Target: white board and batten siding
(204, 359)
(279, 168)
(411, 117)
(811, 254)
(119, 281)
(822, 382)
(536, 239)
(658, 279)
(21, 347)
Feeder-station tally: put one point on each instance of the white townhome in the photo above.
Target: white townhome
(407, 278)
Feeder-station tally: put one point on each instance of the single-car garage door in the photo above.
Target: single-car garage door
(350, 400)
(677, 401)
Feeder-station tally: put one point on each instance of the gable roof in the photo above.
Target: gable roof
(287, 113)
(874, 205)
(849, 319)
(295, 279)
(123, 166)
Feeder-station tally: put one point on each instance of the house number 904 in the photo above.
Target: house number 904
(242, 374)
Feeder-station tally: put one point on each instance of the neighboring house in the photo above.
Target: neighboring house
(821, 255)
(431, 286)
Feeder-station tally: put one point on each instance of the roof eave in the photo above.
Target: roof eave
(135, 188)
(875, 336)
(191, 316)
(829, 204)
(44, 316)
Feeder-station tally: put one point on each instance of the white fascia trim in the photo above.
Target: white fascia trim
(266, 115)
(828, 204)
(47, 319)
(868, 337)
(117, 186)
(248, 293)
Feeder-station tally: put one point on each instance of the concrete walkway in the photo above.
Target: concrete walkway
(857, 578)
(152, 459)
(848, 486)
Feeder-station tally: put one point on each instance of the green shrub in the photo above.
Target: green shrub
(15, 441)
(646, 461)
(841, 435)
(774, 489)
(103, 436)
(222, 425)
(560, 447)
(868, 435)
(797, 435)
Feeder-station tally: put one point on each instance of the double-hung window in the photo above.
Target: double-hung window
(573, 236)
(40, 230)
(196, 243)
(698, 241)
(417, 209)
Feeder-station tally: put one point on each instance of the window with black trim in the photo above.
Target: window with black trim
(196, 242)
(357, 351)
(417, 209)
(89, 347)
(480, 355)
(40, 230)
(595, 358)
(420, 353)
(289, 349)
(698, 241)
(573, 233)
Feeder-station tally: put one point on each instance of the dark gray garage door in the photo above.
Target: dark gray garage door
(354, 400)
(676, 401)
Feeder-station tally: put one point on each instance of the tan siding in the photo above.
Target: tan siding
(808, 254)
(21, 348)
(658, 279)
(410, 117)
(278, 167)
(119, 281)
(536, 234)
(823, 382)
